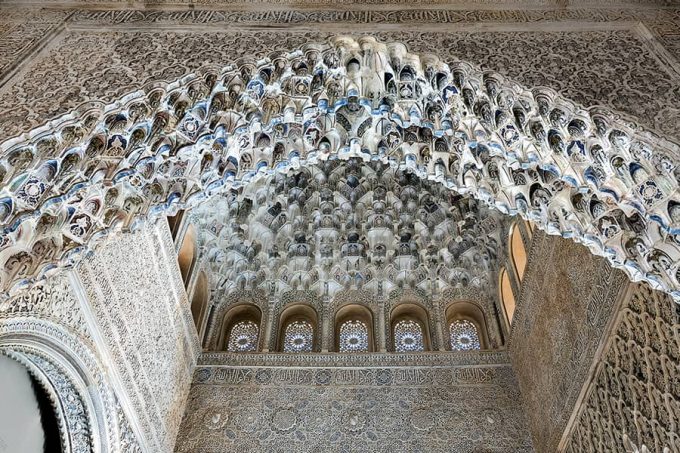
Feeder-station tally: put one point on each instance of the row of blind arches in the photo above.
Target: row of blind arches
(298, 331)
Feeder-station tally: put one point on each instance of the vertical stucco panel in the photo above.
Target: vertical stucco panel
(137, 299)
(567, 300)
(634, 397)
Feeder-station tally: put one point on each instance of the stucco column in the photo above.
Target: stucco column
(438, 321)
(326, 336)
(382, 341)
(269, 326)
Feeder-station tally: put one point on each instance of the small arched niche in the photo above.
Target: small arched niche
(199, 301)
(187, 254)
(410, 328)
(466, 327)
(506, 294)
(518, 253)
(241, 329)
(298, 329)
(354, 329)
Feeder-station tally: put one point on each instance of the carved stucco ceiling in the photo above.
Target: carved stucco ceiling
(348, 225)
(584, 174)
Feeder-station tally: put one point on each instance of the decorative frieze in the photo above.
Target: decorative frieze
(353, 408)
(421, 359)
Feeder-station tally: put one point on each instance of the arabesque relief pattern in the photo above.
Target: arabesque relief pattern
(578, 65)
(567, 299)
(44, 329)
(635, 396)
(614, 67)
(421, 408)
(136, 297)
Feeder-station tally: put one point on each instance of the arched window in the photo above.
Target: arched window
(408, 336)
(464, 336)
(467, 326)
(243, 337)
(518, 253)
(410, 328)
(506, 295)
(297, 329)
(353, 336)
(354, 329)
(199, 301)
(298, 337)
(175, 223)
(187, 254)
(240, 329)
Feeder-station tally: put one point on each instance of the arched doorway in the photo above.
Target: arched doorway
(28, 422)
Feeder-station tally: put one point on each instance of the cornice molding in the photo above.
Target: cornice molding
(365, 360)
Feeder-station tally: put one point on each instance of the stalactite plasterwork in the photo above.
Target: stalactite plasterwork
(346, 231)
(584, 174)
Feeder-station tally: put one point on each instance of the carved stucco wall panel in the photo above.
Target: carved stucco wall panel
(635, 393)
(139, 302)
(46, 330)
(568, 297)
(22, 30)
(155, 374)
(403, 408)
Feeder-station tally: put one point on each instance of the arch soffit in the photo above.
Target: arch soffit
(585, 174)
